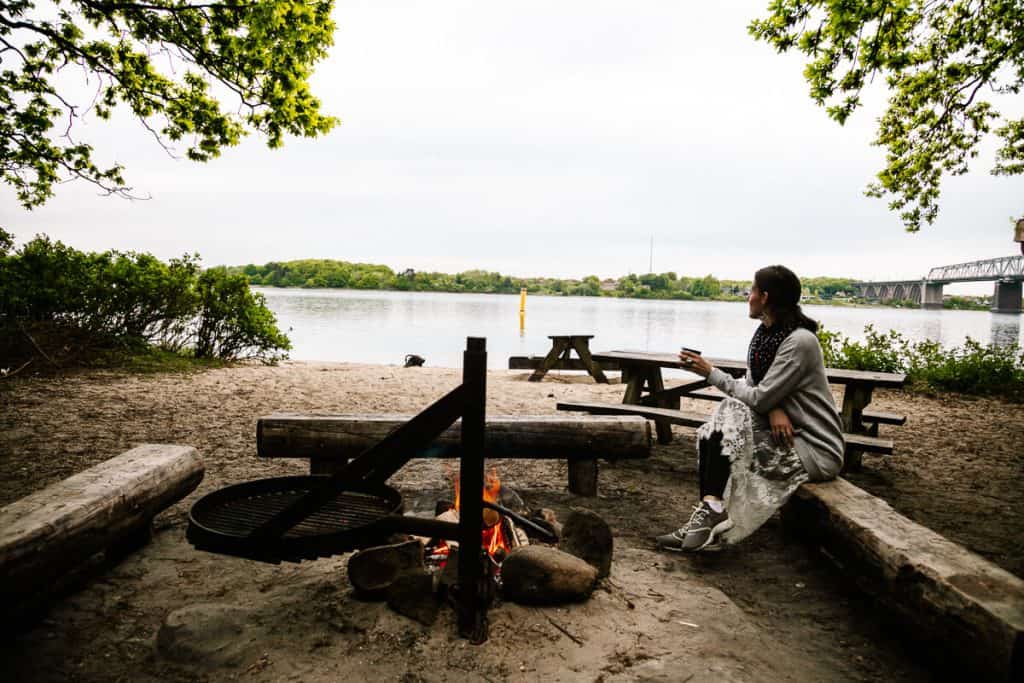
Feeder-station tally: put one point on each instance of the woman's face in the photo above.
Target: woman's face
(757, 301)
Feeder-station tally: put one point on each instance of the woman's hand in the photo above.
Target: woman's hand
(782, 428)
(695, 363)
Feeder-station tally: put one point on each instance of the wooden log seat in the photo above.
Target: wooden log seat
(331, 440)
(106, 508)
(861, 442)
(968, 611)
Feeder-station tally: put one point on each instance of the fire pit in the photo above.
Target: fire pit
(296, 518)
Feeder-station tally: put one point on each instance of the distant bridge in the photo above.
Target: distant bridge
(1007, 272)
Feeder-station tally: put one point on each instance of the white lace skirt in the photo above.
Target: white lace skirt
(762, 474)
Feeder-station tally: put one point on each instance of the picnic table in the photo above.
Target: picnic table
(562, 345)
(645, 386)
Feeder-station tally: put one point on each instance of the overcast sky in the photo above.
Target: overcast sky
(539, 138)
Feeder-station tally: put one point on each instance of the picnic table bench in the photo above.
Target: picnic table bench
(646, 390)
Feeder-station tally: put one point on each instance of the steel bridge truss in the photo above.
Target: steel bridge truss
(902, 290)
(1003, 268)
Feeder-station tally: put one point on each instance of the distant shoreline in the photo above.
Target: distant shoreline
(667, 286)
(731, 299)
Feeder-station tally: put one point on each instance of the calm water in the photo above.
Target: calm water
(382, 327)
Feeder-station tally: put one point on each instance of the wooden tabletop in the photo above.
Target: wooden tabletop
(738, 368)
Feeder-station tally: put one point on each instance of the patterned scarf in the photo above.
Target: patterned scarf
(763, 348)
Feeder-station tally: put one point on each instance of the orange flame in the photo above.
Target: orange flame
(492, 487)
(493, 537)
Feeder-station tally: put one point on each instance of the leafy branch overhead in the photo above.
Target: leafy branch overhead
(203, 74)
(944, 63)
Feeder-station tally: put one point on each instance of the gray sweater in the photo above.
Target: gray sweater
(796, 382)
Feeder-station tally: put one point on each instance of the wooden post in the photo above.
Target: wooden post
(635, 385)
(655, 384)
(558, 346)
(583, 476)
(472, 594)
(856, 395)
(582, 346)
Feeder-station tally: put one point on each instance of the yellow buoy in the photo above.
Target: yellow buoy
(522, 309)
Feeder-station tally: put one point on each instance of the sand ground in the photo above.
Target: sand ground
(771, 609)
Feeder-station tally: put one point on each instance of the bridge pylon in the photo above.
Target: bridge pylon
(931, 297)
(1006, 296)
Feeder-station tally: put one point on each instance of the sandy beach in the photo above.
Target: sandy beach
(771, 609)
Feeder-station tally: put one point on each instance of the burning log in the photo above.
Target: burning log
(547, 519)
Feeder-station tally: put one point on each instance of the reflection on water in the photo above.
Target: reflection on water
(382, 327)
(1005, 329)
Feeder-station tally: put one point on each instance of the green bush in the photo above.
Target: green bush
(974, 368)
(233, 321)
(67, 306)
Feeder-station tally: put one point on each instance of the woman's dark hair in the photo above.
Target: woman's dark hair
(783, 287)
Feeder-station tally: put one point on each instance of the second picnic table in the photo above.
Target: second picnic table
(641, 372)
(561, 346)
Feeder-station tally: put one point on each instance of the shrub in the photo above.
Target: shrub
(84, 305)
(974, 368)
(233, 321)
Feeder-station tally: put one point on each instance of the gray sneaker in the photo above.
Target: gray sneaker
(700, 532)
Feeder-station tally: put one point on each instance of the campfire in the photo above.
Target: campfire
(300, 518)
(528, 557)
(500, 534)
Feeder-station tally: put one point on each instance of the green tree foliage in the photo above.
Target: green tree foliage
(942, 61)
(76, 303)
(170, 62)
(312, 273)
(827, 287)
(706, 287)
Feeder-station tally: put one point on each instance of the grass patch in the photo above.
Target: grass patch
(155, 360)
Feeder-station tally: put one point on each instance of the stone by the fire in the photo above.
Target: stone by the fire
(536, 574)
(373, 570)
(589, 538)
(413, 595)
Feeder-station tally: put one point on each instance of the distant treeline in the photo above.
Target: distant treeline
(316, 273)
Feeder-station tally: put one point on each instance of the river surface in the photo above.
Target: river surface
(383, 326)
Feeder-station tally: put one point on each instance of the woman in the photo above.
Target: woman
(778, 429)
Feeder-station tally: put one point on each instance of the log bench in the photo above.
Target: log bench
(860, 442)
(106, 508)
(329, 441)
(968, 611)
